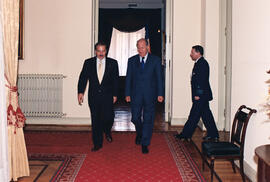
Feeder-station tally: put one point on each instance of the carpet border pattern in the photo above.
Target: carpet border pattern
(69, 168)
(183, 159)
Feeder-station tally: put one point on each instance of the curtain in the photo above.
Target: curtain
(123, 46)
(131, 20)
(4, 174)
(18, 161)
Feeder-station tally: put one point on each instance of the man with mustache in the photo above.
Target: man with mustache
(102, 74)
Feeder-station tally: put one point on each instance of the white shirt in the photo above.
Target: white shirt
(103, 61)
(198, 59)
(145, 58)
(194, 64)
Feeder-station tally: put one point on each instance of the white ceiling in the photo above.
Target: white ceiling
(127, 3)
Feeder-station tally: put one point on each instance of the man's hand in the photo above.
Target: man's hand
(128, 99)
(80, 98)
(114, 99)
(160, 98)
(197, 98)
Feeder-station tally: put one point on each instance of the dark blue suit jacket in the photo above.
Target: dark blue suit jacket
(200, 80)
(144, 83)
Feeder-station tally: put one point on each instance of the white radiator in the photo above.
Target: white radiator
(41, 95)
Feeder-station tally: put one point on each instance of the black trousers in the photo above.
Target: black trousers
(200, 109)
(102, 116)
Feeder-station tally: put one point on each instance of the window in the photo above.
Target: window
(123, 46)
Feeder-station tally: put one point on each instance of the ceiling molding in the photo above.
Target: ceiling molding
(146, 4)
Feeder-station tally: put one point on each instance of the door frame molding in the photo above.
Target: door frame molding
(168, 60)
(95, 18)
(228, 81)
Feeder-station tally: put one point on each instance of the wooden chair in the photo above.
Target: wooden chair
(232, 150)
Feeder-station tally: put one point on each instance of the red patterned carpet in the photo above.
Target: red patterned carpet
(121, 160)
(68, 169)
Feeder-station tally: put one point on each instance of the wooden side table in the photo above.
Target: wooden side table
(263, 153)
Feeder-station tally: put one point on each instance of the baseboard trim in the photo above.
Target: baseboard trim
(57, 121)
(178, 121)
(249, 171)
(182, 121)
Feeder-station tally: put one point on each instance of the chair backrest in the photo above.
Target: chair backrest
(239, 127)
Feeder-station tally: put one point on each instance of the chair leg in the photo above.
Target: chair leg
(203, 160)
(203, 165)
(233, 165)
(242, 169)
(212, 168)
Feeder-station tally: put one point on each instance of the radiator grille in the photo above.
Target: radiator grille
(41, 95)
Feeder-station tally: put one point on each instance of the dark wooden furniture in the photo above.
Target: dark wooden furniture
(232, 150)
(263, 153)
(21, 31)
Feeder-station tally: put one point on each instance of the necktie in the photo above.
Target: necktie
(142, 62)
(100, 73)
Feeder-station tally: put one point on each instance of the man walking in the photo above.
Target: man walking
(102, 74)
(143, 89)
(201, 95)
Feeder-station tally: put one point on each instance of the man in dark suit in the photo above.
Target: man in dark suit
(102, 74)
(201, 95)
(143, 89)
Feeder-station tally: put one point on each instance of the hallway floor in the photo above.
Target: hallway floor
(122, 123)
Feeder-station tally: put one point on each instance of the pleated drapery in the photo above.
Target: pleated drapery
(18, 161)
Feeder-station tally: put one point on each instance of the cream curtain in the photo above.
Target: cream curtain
(4, 175)
(18, 161)
(123, 46)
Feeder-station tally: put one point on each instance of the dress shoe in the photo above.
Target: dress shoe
(109, 138)
(138, 140)
(145, 149)
(181, 137)
(208, 138)
(96, 148)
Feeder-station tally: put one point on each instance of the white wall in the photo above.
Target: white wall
(58, 40)
(186, 33)
(250, 60)
(210, 40)
(194, 22)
